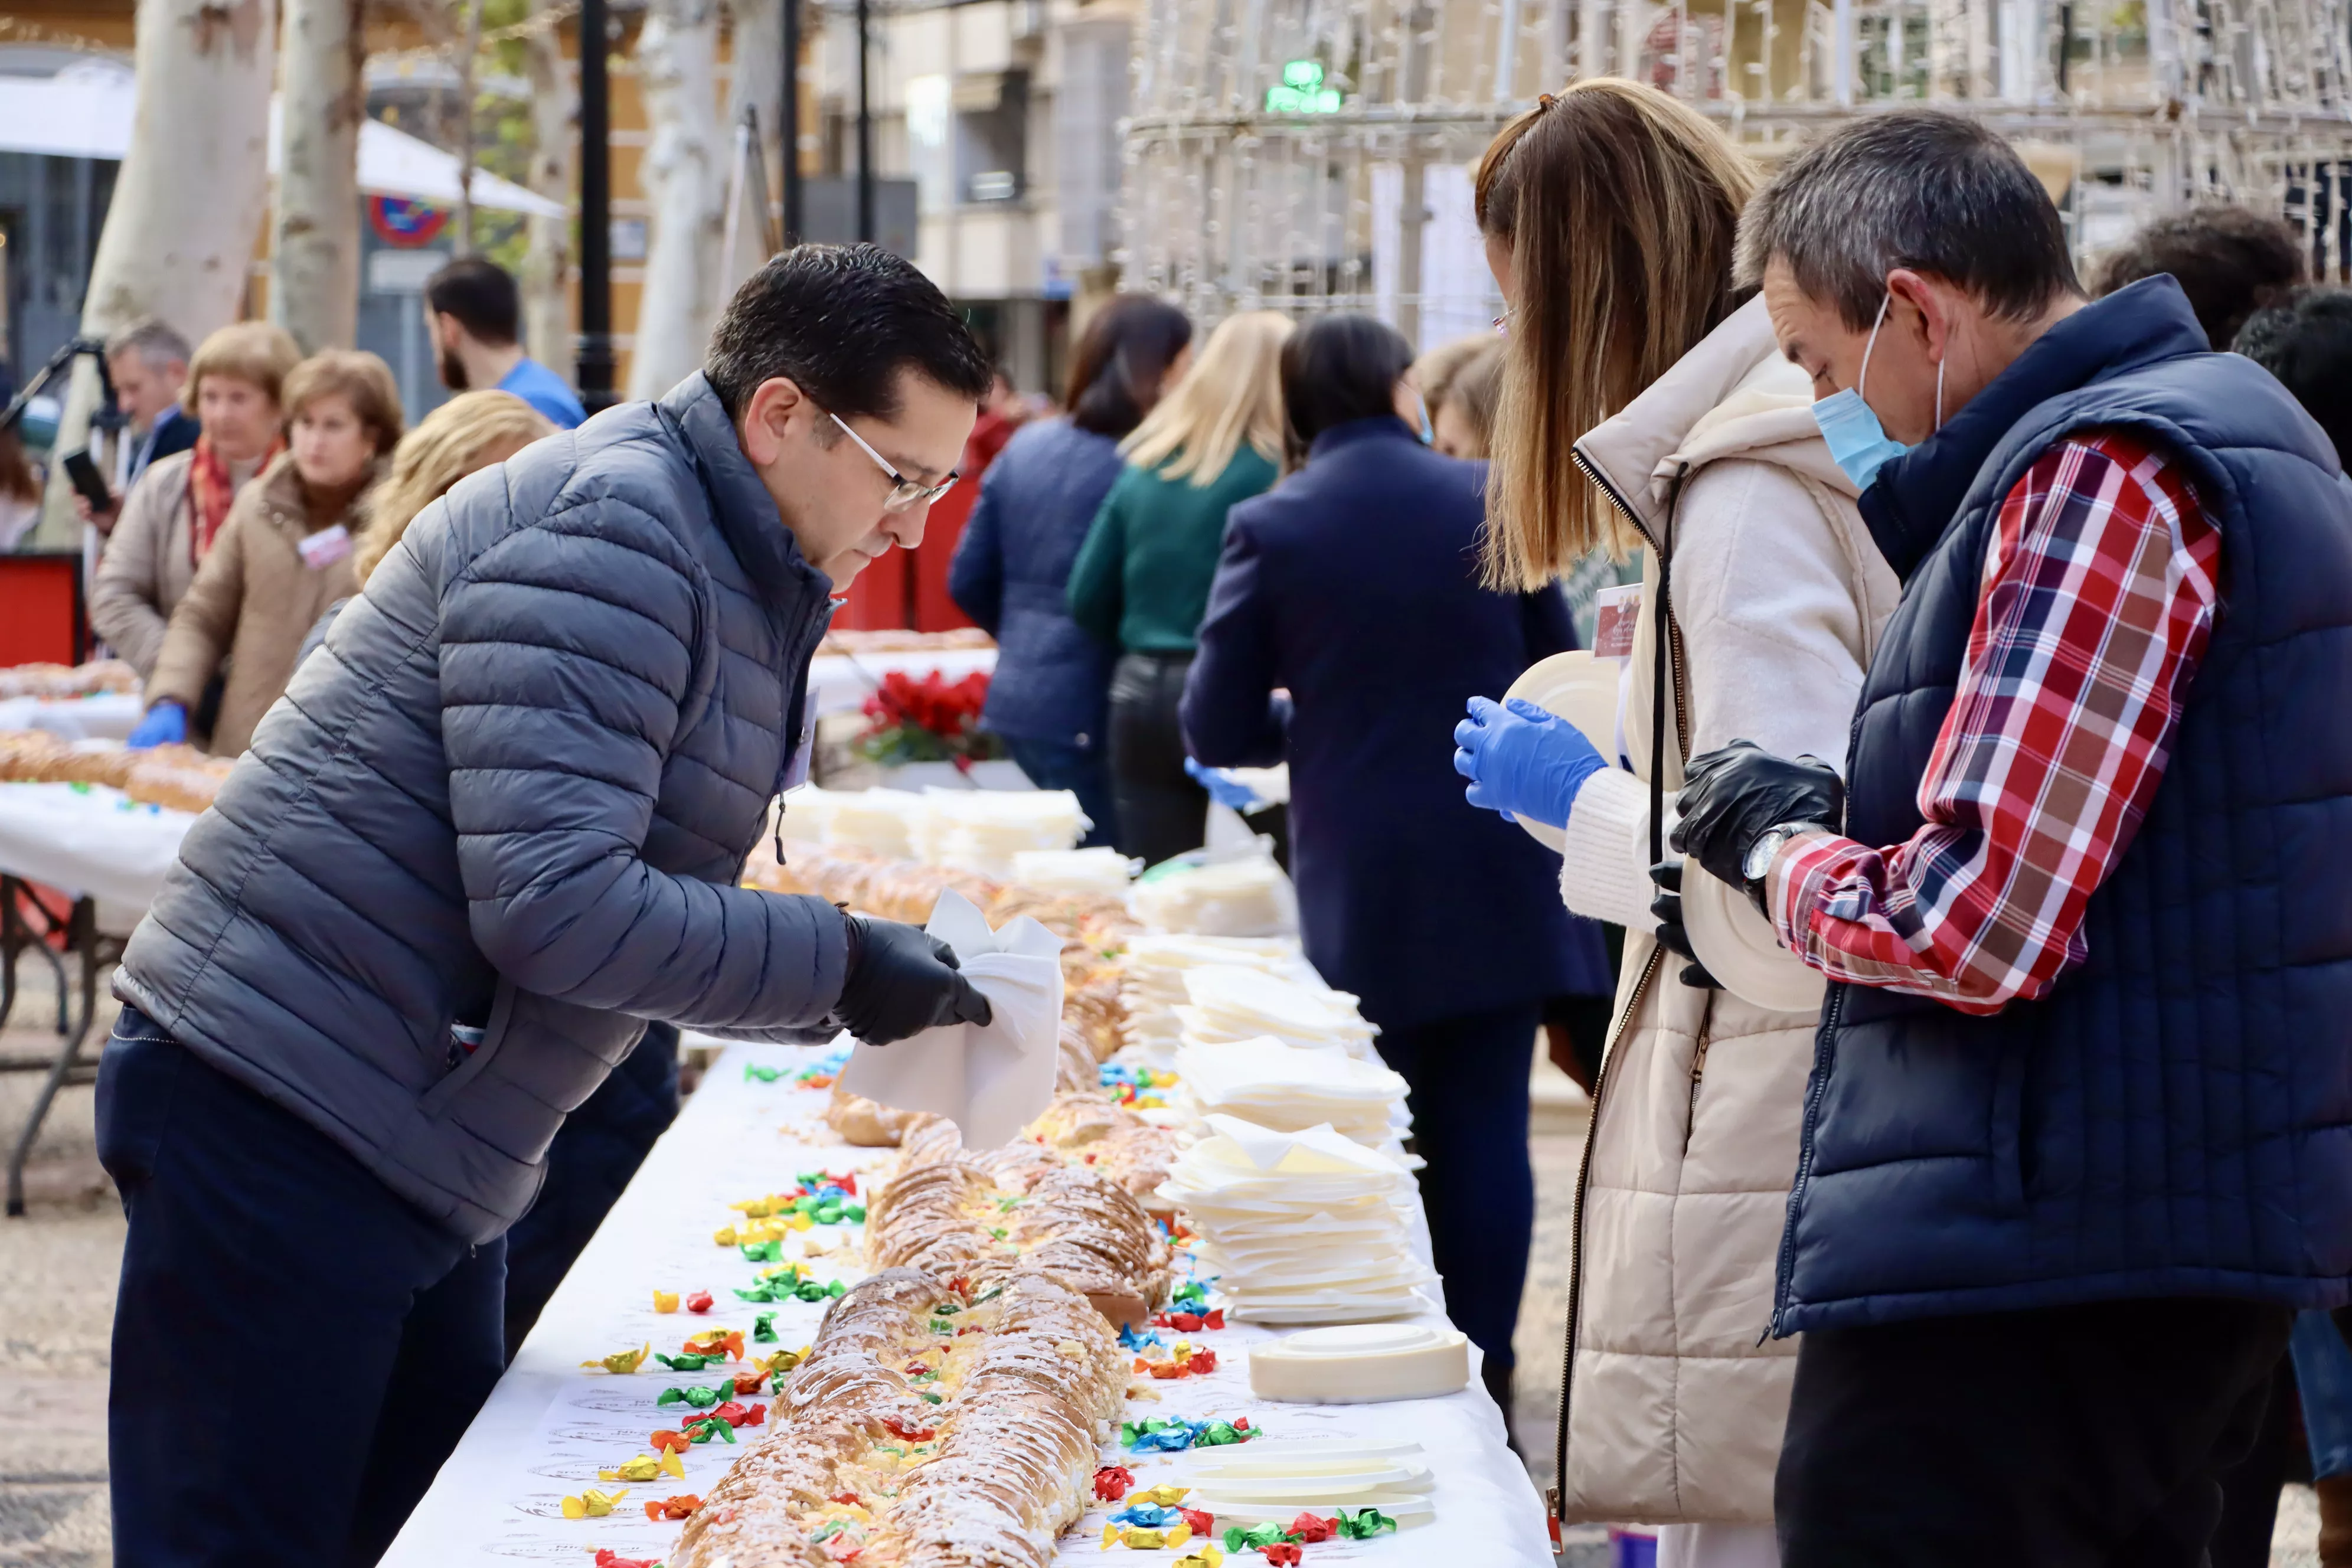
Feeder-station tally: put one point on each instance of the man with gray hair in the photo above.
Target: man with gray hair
(2079, 1133)
(147, 361)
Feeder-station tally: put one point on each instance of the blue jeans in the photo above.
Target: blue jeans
(2323, 1377)
(1058, 764)
(296, 1350)
(1467, 1078)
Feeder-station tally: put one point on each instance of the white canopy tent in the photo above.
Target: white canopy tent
(85, 112)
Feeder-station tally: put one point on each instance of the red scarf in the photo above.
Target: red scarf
(210, 490)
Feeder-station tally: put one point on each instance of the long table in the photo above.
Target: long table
(551, 1425)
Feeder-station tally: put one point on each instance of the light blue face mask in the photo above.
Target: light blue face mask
(1428, 432)
(1858, 443)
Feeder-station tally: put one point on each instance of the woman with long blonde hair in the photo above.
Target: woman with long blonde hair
(1645, 403)
(1141, 579)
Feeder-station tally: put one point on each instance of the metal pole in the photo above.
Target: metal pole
(864, 134)
(594, 360)
(788, 138)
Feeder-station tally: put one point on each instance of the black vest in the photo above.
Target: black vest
(2175, 1116)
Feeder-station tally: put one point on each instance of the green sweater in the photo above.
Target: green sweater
(1141, 579)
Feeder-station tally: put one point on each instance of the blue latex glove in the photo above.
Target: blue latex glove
(1522, 761)
(166, 724)
(1223, 787)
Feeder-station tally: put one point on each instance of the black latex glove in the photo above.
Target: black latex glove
(902, 981)
(1731, 797)
(1667, 907)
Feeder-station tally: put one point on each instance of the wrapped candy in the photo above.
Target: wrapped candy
(763, 1329)
(591, 1504)
(670, 1442)
(673, 1508)
(699, 1398)
(1282, 1553)
(753, 1071)
(665, 1300)
(698, 1303)
(1148, 1516)
(623, 1361)
(1307, 1527)
(1202, 1524)
(1164, 1495)
(685, 1362)
(709, 1342)
(607, 1558)
(1207, 1557)
(646, 1467)
(1363, 1524)
(1111, 1482)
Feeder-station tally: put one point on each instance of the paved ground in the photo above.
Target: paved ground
(56, 1297)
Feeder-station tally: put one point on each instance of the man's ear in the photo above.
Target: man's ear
(776, 408)
(1931, 310)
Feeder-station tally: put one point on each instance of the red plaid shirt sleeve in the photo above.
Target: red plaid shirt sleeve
(2099, 590)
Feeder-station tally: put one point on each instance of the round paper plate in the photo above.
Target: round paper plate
(1582, 689)
(1736, 946)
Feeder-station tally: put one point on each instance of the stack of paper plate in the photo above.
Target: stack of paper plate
(1300, 1228)
(1101, 869)
(1151, 977)
(1274, 1479)
(1248, 896)
(1228, 1003)
(982, 830)
(879, 821)
(1280, 1087)
(1361, 1364)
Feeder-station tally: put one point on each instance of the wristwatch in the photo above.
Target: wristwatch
(1767, 849)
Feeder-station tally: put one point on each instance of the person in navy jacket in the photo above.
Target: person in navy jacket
(1345, 630)
(1050, 696)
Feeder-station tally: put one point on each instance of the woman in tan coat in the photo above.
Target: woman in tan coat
(1669, 420)
(174, 514)
(282, 557)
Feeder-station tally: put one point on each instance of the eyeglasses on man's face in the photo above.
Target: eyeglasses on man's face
(905, 494)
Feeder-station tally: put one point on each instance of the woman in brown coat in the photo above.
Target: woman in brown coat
(283, 556)
(180, 505)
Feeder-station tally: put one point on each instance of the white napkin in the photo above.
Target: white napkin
(989, 1081)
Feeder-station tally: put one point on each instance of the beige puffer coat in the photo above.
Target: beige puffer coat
(1675, 1399)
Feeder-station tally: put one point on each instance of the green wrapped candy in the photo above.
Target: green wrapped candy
(687, 1363)
(752, 1070)
(1364, 1524)
(854, 1213)
(1219, 1434)
(760, 1293)
(763, 1327)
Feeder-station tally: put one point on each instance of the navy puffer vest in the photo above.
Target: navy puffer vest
(2175, 1116)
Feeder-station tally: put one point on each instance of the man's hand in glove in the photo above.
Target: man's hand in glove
(1733, 796)
(1522, 761)
(902, 981)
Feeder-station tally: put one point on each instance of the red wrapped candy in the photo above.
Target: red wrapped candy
(674, 1508)
(1282, 1553)
(607, 1558)
(1202, 1361)
(1111, 1482)
(698, 1303)
(668, 1440)
(1307, 1527)
(1202, 1524)
(1215, 1319)
(749, 1383)
(1243, 1424)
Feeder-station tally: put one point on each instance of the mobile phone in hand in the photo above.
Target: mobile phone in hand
(86, 479)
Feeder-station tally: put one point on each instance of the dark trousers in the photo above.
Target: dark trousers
(1161, 812)
(296, 1350)
(1084, 772)
(1468, 1078)
(2086, 1436)
(599, 1149)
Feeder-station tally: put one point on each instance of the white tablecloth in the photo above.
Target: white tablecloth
(549, 1426)
(91, 840)
(839, 684)
(110, 716)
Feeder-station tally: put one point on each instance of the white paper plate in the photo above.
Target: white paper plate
(1737, 947)
(1582, 689)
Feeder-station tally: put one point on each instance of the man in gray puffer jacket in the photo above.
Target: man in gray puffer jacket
(494, 825)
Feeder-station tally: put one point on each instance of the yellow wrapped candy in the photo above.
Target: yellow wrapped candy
(1207, 1557)
(624, 1360)
(1162, 1496)
(1143, 1539)
(724, 1235)
(799, 1221)
(646, 1467)
(591, 1504)
(665, 1300)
